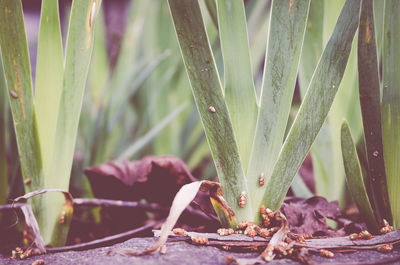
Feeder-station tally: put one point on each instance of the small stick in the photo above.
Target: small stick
(117, 203)
(13, 206)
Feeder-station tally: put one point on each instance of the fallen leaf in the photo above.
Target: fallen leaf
(154, 178)
(308, 215)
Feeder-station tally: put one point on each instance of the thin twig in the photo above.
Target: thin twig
(12, 206)
(117, 203)
(106, 240)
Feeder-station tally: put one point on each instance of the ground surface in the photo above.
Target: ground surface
(185, 253)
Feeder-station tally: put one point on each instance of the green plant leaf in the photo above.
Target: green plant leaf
(207, 91)
(149, 136)
(212, 10)
(379, 12)
(77, 58)
(354, 177)
(315, 106)
(391, 104)
(99, 67)
(19, 84)
(313, 45)
(239, 89)
(299, 188)
(3, 141)
(329, 174)
(369, 88)
(286, 35)
(258, 13)
(49, 76)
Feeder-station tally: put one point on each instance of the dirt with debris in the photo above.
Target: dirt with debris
(179, 252)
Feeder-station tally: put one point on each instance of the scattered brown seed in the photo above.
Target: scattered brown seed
(242, 199)
(14, 94)
(264, 232)
(179, 232)
(199, 240)
(300, 238)
(327, 253)
(27, 181)
(387, 248)
(38, 262)
(386, 227)
(250, 231)
(266, 221)
(384, 230)
(243, 224)
(270, 213)
(307, 236)
(225, 231)
(263, 210)
(261, 180)
(353, 236)
(365, 235)
(385, 223)
(211, 109)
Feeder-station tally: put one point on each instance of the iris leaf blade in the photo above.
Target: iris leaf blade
(239, 89)
(208, 94)
(315, 106)
(391, 103)
(354, 177)
(286, 35)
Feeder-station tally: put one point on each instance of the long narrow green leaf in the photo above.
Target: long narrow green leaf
(315, 106)
(240, 93)
(379, 11)
(3, 128)
(77, 58)
(286, 35)
(299, 188)
(258, 13)
(369, 88)
(49, 75)
(391, 104)
(355, 181)
(18, 79)
(212, 10)
(313, 45)
(330, 180)
(145, 139)
(207, 91)
(99, 67)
